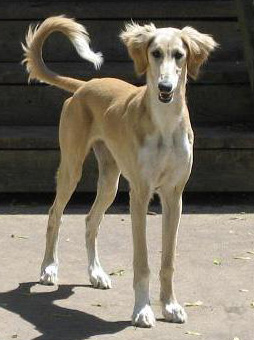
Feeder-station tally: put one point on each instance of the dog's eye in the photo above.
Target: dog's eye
(157, 54)
(178, 55)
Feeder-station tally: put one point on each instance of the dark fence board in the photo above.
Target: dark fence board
(120, 9)
(213, 170)
(246, 19)
(211, 73)
(41, 105)
(58, 48)
(222, 171)
(46, 137)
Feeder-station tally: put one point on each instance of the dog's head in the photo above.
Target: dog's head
(165, 52)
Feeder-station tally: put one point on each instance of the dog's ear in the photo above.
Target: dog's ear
(199, 46)
(137, 38)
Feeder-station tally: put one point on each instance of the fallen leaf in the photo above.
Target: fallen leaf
(217, 262)
(153, 213)
(243, 290)
(250, 252)
(119, 272)
(236, 338)
(252, 304)
(193, 304)
(19, 236)
(193, 333)
(14, 336)
(97, 305)
(246, 258)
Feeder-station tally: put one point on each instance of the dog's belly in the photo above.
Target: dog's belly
(165, 160)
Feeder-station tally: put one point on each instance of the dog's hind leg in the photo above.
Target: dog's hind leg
(74, 144)
(106, 192)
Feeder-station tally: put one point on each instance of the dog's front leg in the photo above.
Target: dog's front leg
(172, 208)
(142, 315)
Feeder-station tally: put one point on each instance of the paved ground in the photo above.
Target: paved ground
(74, 311)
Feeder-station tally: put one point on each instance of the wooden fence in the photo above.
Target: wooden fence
(220, 101)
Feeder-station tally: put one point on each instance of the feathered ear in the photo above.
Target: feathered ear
(199, 46)
(137, 38)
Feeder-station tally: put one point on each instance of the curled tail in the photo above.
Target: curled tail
(35, 38)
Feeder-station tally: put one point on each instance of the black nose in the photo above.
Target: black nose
(165, 86)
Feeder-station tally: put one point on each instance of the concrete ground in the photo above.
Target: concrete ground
(214, 267)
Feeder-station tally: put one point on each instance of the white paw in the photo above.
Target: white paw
(49, 275)
(173, 312)
(99, 279)
(143, 317)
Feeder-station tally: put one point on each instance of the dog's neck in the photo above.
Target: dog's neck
(166, 116)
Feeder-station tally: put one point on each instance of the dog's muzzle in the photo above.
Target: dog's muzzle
(166, 91)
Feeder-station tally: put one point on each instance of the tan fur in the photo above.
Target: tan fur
(143, 132)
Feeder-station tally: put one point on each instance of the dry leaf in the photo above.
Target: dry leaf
(243, 290)
(19, 236)
(153, 213)
(246, 258)
(217, 262)
(193, 333)
(193, 304)
(252, 304)
(119, 272)
(250, 252)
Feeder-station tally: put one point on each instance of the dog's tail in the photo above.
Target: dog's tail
(35, 38)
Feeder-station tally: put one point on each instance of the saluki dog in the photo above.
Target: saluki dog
(142, 132)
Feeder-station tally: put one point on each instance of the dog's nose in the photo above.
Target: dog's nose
(165, 86)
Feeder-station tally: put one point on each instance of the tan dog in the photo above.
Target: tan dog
(142, 132)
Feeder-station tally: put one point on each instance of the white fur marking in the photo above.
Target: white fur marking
(98, 278)
(83, 49)
(173, 312)
(143, 317)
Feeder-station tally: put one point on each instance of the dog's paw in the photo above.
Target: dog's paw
(99, 279)
(49, 275)
(143, 317)
(173, 312)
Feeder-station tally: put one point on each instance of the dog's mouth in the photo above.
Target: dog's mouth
(166, 97)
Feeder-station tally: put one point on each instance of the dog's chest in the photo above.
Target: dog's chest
(165, 158)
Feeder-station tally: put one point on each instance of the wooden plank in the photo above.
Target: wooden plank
(120, 9)
(29, 137)
(211, 73)
(224, 137)
(35, 170)
(209, 104)
(246, 19)
(213, 170)
(46, 137)
(222, 171)
(58, 48)
(216, 105)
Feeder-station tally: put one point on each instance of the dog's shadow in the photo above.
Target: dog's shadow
(52, 321)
